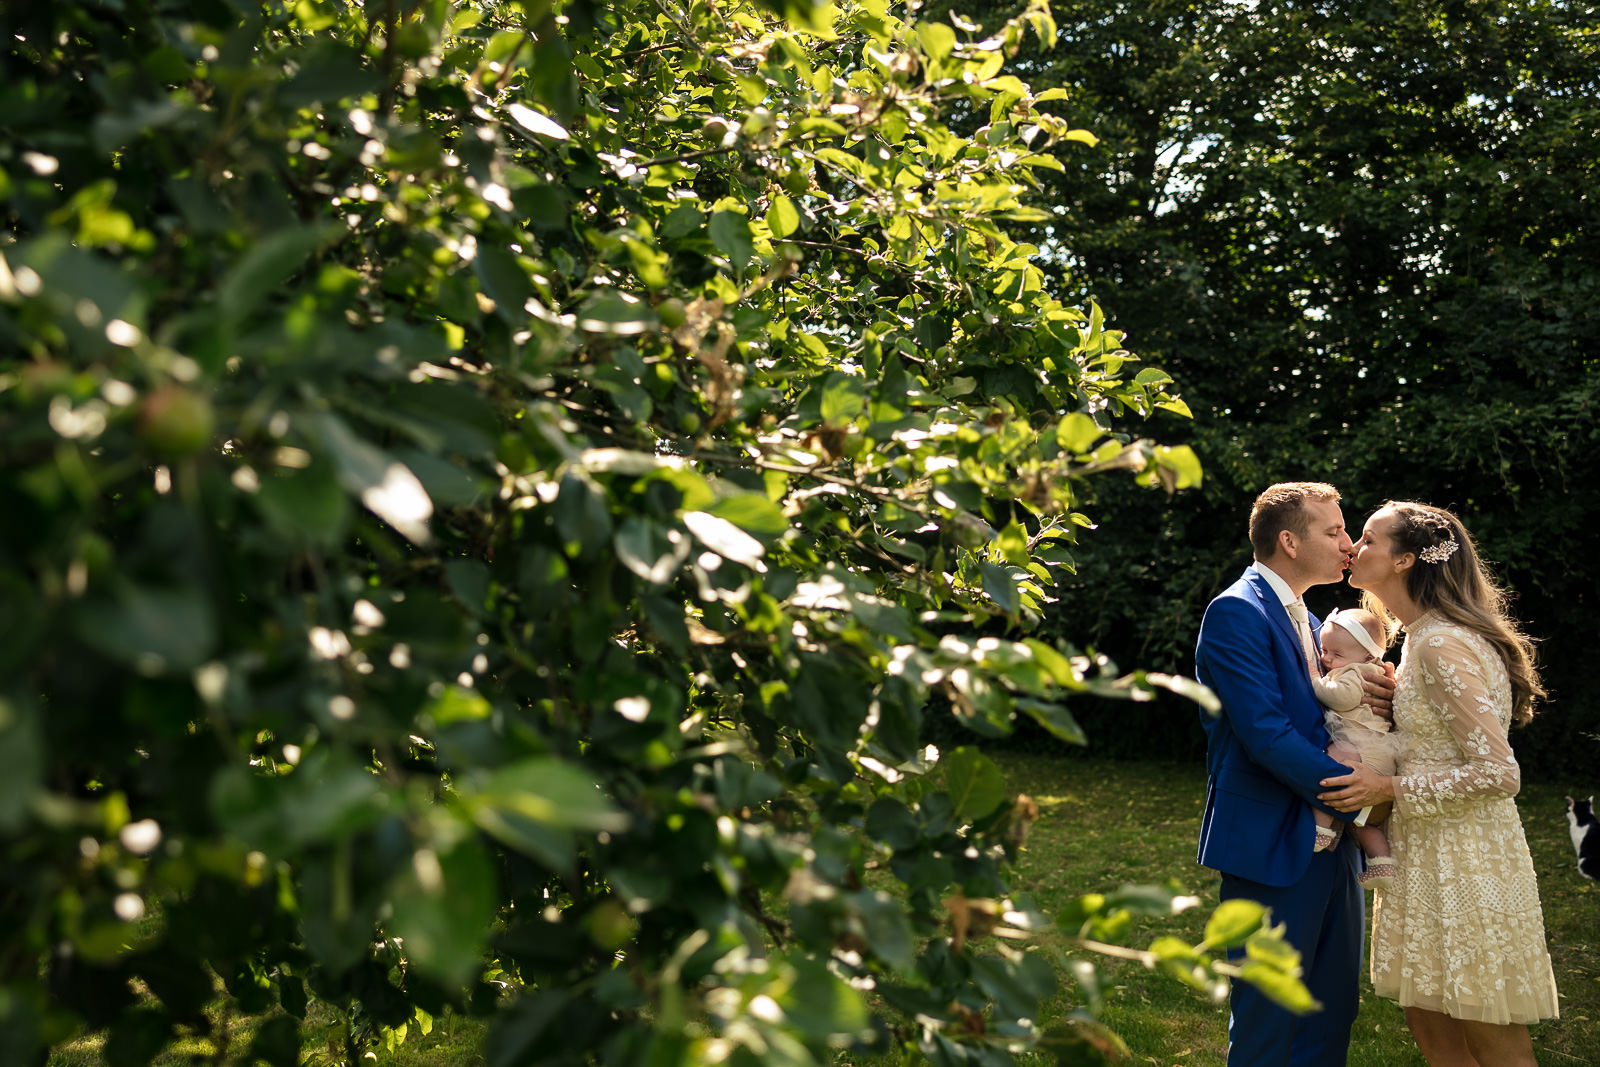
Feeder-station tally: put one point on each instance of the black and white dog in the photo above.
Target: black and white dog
(1585, 835)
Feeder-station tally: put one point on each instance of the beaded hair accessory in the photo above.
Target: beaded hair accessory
(1440, 552)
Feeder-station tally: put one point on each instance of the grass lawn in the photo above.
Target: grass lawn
(1103, 824)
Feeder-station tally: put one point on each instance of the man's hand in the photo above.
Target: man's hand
(1378, 692)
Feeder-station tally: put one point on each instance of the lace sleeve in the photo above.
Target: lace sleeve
(1454, 681)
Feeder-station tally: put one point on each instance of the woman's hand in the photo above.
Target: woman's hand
(1361, 788)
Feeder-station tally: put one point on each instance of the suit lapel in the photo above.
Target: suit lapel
(1273, 607)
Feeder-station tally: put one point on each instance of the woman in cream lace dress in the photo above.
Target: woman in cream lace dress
(1459, 940)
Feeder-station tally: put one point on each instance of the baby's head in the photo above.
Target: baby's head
(1353, 636)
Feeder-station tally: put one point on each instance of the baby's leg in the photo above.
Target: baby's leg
(1374, 842)
(1383, 764)
(1380, 872)
(1327, 834)
(1345, 753)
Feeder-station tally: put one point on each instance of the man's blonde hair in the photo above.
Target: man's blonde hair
(1283, 507)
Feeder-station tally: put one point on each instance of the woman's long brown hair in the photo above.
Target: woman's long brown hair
(1460, 588)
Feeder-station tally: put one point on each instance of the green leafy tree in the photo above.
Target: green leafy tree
(491, 495)
(1360, 240)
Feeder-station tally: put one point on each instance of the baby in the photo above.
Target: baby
(1352, 650)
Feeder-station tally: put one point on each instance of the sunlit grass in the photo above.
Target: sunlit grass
(1105, 824)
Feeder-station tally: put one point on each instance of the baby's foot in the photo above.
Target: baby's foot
(1379, 874)
(1327, 837)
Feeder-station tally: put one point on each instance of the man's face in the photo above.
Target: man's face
(1324, 551)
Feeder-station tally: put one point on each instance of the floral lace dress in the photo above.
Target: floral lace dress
(1461, 931)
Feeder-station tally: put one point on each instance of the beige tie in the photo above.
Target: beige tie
(1302, 626)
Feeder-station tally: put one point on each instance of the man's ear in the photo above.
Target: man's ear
(1288, 543)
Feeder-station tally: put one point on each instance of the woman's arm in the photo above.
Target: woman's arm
(1453, 679)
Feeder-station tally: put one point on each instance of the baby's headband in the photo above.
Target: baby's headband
(1356, 630)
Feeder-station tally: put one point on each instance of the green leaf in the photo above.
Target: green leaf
(1186, 687)
(504, 280)
(783, 218)
(1077, 431)
(725, 538)
(549, 791)
(1058, 666)
(581, 516)
(752, 513)
(537, 122)
(456, 704)
(386, 486)
(1269, 947)
(650, 550)
(1155, 900)
(330, 72)
(938, 40)
(329, 798)
(730, 232)
(1078, 1041)
(305, 505)
(1181, 460)
(817, 1001)
(113, 130)
(997, 582)
(890, 821)
(616, 313)
(1233, 922)
(844, 396)
(261, 272)
(79, 276)
(153, 629)
(528, 1026)
(1285, 990)
(136, 1037)
(1013, 544)
(443, 903)
(1061, 723)
(1172, 948)
(974, 783)
(682, 220)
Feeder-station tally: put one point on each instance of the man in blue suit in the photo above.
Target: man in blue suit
(1265, 759)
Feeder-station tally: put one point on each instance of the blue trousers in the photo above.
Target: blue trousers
(1325, 915)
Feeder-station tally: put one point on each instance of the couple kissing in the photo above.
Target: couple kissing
(1297, 786)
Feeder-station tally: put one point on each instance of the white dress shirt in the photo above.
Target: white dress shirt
(1296, 607)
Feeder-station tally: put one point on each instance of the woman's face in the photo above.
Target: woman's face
(1373, 564)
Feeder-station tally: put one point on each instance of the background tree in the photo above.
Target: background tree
(1363, 241)
(507, 483)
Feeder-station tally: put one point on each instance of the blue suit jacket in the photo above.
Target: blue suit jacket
(1264, 753)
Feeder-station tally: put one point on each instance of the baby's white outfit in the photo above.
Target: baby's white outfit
(1353, 722)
